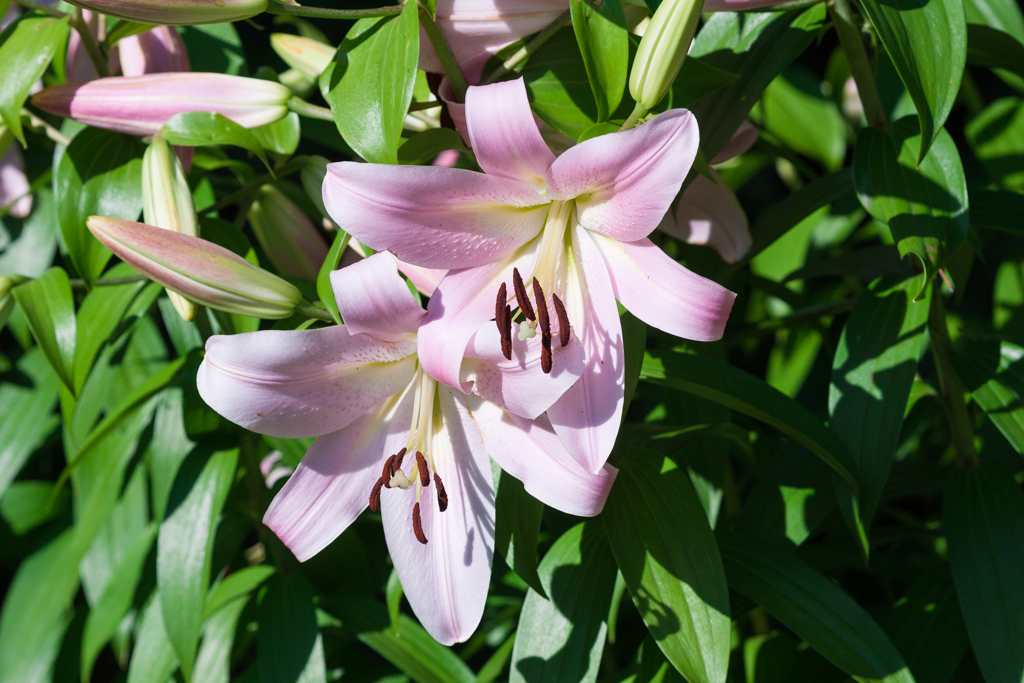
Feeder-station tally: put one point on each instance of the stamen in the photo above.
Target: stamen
(563, 320)
(499, 306)
(524, 301)
(375, 495)
(545, 354)
(389, 471)
(442, 495)
(506, 334)
(542, 309)
(417, 524)
(421, 466)
(398, 460)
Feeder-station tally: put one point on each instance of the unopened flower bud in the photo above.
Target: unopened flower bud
(663, 49)
(167, 203)
(156, 51)
(289, 238)
(176, 11)
(308, 56)
(140, 105)
(199, 270)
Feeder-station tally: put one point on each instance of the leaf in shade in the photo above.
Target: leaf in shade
(517, 525)
(990, 47)
(49, 309)
(153, 657)
(26, 48)
(1004, 15)
(997, 139)
(200, 129)
(744, 393)
(794, 108)
(26, 414)
(324, 288)
(924, 204)
(213, 660)
(983, 517)
(289, 645)
(927, 43)
(634, 342)
(814, 608)
(994, 374)
(997, 209)
(185, 545)
(427, 144)
(369, 84)
(235, 585)
(561, 638)
(26, 504)
(600, 29)
(666, 551)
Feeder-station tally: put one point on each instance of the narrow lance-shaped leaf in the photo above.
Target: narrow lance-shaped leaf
(50, 311)
(600, 29)
(994, 374)
(153, 657)
(324, 289)
(516, 527)
(288, 642)
(26, 414)
(26, 48)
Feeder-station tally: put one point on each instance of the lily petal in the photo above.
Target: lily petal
(373, 299)
(586, 418)
(663, 293)
(331, 486)
(301, 383)
(519, 385)
(425, 280)
(625, 182)
(446, 580)
(710, 214)
(432, 216)
(531, 452)
(742, 140)
(503, 134)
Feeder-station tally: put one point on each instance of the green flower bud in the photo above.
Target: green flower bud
(287, 236)
(662, 50)
(310, 57)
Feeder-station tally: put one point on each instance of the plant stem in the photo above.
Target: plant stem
(296, 10)
(523, 53)
(314, 311)
(960, 426)
(51, 132)
(99, 60)
(860, 67)
(639, 111)
(312, 111)
(444, 53)
(420, 106)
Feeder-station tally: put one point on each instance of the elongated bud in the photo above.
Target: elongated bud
(308, 56)
(140, 105)
(167, 203)
(199, 270)
(156, 51)
(663, 49)
(179, 12)
(289, 238)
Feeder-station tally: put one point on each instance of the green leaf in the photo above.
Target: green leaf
(426, 145)
(997, 209)
(153, 657)
(214, 48)
(313, 173)
(115, 601)
(289, 645)
(200, 128)
(281, 136)
(324, 288)
(26, 48)
(516, 527)
(696, 79)
(924, 204)
(927, 43)
(990, 47)
(410, 649)
(600, 29)
(50, 311)
(666, 551)
(872, 373)
(26, 414)
(562, 637)
(370, 83)
(235, 585)
(794, 109)
(213, 661)
(994, 374)
(1004, 15)
(100, 174)
(814, 608)
(983, 517)
(27, 504)
(744, 393)
(393, 594)
(997, 139)
(756, 47)
(185, 546)
(634, 341)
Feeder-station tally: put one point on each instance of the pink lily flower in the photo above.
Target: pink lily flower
(574, 228)
(158, 50)
(77, 64)
(392, 438)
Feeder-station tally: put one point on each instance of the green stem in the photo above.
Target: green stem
(444, 53)
(863, 75)
(960, 426)
(639, 111)
(297, 10)
(51, 132)
(99, 60)
(523, 53)
(314, 311)
(420, 106)
(311, 111)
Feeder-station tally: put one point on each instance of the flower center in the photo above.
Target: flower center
(551, 255)
(420, 442)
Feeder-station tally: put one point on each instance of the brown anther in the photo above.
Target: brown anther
(542, 309)
(524, 302)
(442, 495)
(398, 461)
(421, 465)
(499, 306)
(389, 471)
(417, 524)
(506, 334)
(563, 320)
(375, 495)
(545, 354)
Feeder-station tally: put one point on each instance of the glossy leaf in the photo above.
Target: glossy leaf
(990, 47)
(927, 43)
(562, 637)
(324, 288)
(600, 29)
(997, 139)
(200, 128)
(924, 204)
(288, 642)
(369, 85)
(666, 551)
(213, 660)
(983, 518)
(50, 312)
(185, 545)
(1004, 15)
(814, 608)
(26, 414)
(517, 524)
(26, 48)
(994, 374)
(281, 136)
(744, 393)
(235, 585)
(153, 658)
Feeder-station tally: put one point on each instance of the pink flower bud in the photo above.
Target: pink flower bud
(287, 236)
(159, 50)
(196, 269)
(140, 105)
(77, 63)
(177, 11)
